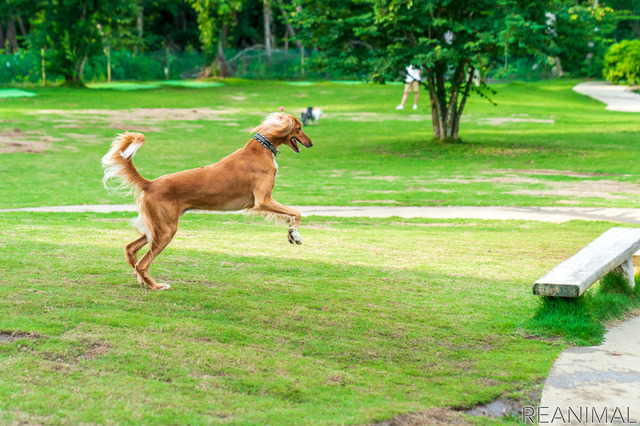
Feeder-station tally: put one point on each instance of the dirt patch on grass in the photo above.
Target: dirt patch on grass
(16, 141)
(547, 172)
(429, 225)
(374, 201)
(605, 188)
(387, 178)
(142, 114)
(11, 336)
(433, 416)
(496, 121)
(95, 350)
(376, 117)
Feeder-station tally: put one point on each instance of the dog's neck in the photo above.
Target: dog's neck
(265, 142)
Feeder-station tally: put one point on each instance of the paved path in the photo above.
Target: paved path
(617, 98)
(597, 377)
(543, 214)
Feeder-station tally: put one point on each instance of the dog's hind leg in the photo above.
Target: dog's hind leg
(131, 250)
(160, 223)
(161, 240)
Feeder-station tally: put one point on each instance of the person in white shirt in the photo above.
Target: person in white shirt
(412, 81)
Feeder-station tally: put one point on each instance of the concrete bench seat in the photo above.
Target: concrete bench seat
(611, 251)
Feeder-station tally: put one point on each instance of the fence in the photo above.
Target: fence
(26, 66)
(293, 64)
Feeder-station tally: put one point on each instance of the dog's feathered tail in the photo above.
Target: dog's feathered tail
(118, 165)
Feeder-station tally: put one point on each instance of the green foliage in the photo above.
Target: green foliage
(622, 62)
(580, 36)
(72, 31)
(448, 39)
(21, 67)
(212, 16)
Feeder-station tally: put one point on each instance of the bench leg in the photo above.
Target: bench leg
(626, 269)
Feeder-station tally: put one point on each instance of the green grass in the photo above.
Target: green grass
(368, 319)
(365, 152)
(582, 320)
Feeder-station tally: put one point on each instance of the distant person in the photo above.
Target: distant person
(412, 81)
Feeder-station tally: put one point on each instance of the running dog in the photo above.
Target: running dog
(242, 180)
(312, 114)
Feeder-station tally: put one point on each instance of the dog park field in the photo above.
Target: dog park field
(368, 320)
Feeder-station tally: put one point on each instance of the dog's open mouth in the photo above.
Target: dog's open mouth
(294, 145)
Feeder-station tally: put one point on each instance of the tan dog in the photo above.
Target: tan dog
(242, 180)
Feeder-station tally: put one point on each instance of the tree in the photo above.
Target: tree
(214, 19)
(71, 30)
(580, 35)
(449, 39)
(15, 15)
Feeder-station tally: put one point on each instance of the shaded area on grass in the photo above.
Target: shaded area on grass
(367, 320)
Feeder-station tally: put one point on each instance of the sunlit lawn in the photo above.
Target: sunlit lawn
(542, 144)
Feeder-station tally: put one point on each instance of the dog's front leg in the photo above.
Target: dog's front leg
(271, 207)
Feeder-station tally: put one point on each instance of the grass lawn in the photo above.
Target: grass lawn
(542, 145)
(368, 319)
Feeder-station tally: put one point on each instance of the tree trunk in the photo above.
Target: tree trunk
(288, 26)
(266, 12)
(446, 113)
(2, 45)
(140, 26)
(559, 65)
(220, 64)
(12, 41)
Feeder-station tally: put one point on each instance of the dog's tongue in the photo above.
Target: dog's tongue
(294, 146)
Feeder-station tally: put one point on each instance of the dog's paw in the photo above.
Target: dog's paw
(160, 287)
(294, 237)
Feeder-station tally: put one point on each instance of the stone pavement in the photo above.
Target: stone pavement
(599, 383)
(617, 98)
(543, 214)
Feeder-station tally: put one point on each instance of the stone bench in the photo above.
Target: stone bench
(611, 251)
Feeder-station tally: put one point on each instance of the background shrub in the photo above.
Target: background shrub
(622, 62)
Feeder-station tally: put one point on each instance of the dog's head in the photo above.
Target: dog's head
(284, 129)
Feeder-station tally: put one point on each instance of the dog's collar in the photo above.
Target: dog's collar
(265, 142)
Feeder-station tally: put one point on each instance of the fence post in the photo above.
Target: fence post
(167, 69)
(107, 51)
(44, 72)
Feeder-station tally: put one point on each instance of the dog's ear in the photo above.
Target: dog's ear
(277, 124)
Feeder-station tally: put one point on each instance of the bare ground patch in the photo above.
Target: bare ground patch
(375, 117)
(11, 336)
(95, 350)
(430, 225)
(432, 416)
(374, 201)
(146, 114)
(496, 121)
(547, 172)
(605, 188)
(14, 140)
